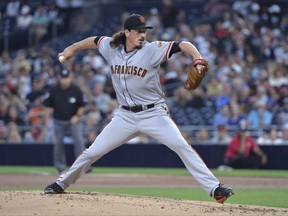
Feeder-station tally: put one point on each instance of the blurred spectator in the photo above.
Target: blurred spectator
(36, 114)
(92, 116)
(254, 15)
(198, 99)
(261, 95)
(95, 60)
(182, 97)
(221, 136)
(91, 136)
(235, 113)
(271, 137)
(278, 79)
(37, 91)
(3, 132)
(285, 134)
(283, 93)
(13, 133)
(4, 105)
(214, 87)
(101, 98)
(43, 60)
(81, 83)
(241, 7)
(50, 78)
(21, 62)
(55, 19)
(172, 78)
(216, 8)
(14, 116)
(260, 117)
(274, 15)
(153, 19)
(168, 14)
(202, 136)
(24, 20)
(281, 116)
(243, 152)
(5, 64)
(12, 8)
(23, 24)
(224, 97)
(222, 116)
(40, 23)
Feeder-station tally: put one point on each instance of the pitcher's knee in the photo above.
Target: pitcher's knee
(177, 144)
(92, 155)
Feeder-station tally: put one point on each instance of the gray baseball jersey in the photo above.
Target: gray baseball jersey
(135, 74)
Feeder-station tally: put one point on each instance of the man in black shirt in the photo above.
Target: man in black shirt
(66, 103)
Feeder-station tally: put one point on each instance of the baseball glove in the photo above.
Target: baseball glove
(196, 73)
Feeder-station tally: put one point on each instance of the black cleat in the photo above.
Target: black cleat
(53, 189)
(221, 194)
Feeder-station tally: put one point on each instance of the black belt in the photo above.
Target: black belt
(138, 108)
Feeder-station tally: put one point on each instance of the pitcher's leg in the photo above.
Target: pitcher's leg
(117, 132)
(163, 129)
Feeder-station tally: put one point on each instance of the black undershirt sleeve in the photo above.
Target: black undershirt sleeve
(96, 40)
(175, 48)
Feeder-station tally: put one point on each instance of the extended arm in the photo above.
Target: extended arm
(71, 50)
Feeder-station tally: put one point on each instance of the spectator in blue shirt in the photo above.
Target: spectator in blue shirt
(260, 117)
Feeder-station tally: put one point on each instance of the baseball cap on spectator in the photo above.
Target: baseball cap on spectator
(64, 73)
(136, 21)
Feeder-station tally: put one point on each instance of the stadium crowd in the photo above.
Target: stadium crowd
(245, 41)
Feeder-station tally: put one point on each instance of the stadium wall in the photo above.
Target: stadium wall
(131, 155)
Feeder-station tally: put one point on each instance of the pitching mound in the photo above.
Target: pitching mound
(100, 204)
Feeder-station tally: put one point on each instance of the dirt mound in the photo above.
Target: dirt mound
(104, 204)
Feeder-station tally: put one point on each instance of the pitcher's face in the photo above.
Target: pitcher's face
(136, 37)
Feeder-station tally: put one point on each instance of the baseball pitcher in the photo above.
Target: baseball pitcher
(134, 65)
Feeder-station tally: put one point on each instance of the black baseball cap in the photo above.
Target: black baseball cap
(64, 73)
(136, 21)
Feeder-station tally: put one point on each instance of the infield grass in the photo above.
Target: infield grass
(160, 171)
(262, 197)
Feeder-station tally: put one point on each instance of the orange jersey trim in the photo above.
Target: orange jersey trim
(99, 41)
(168, 50)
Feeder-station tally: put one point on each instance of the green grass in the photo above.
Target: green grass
(160, 171)
(261, 197)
